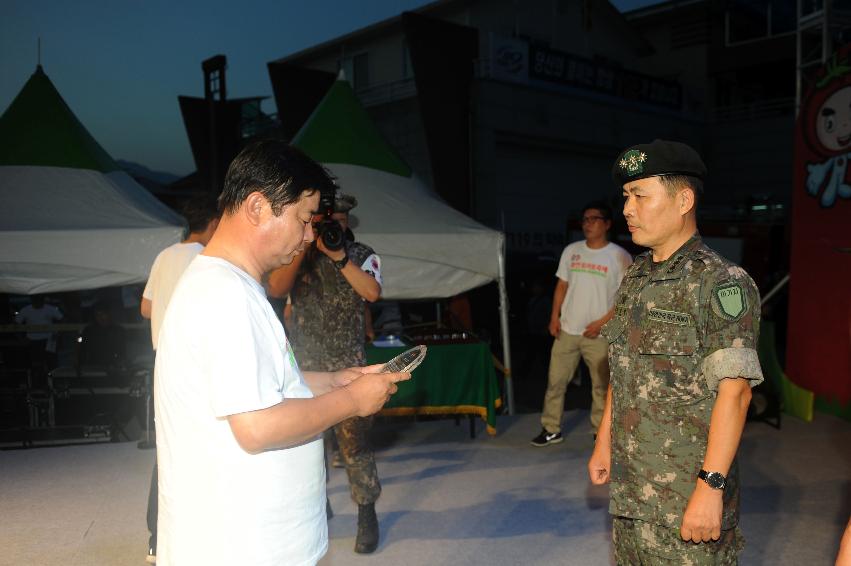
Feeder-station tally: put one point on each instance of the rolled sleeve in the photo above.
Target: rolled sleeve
(732, 363)
(731, 331)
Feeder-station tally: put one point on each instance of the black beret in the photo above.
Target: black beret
(659, 157)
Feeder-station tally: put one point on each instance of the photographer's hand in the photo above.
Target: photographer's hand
(362, 282)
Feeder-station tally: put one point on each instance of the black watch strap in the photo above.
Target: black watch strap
(340, 264)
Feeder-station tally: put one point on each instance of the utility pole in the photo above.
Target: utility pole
(215, 93)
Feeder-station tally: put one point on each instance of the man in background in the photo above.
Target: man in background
(202, 218)
(42, 345)
(588, 275)
(328, 289)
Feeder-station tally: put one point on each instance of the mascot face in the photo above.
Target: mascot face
(833, 121)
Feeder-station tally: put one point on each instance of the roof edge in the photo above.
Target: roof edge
(367, 31)
(655, 9)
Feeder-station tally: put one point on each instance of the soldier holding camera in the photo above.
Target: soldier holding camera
(328, 285)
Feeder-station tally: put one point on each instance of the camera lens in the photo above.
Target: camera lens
(332, 235)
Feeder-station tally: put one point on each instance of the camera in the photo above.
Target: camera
(328, 229)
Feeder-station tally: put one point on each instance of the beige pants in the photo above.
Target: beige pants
(563, 361)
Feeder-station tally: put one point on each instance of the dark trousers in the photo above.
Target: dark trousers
(153, 494)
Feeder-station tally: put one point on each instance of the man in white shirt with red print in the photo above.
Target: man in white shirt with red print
(588, 276)
(241, 464)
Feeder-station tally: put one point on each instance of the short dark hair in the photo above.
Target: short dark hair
(602, 206)
(199, 212)
(675, 183)
(277, 170)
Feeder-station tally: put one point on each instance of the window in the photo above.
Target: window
(407, 67)
(361, 66)
(356, 69)
(749, 20)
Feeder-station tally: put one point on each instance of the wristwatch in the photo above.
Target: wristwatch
(715, 480)
(340, 264)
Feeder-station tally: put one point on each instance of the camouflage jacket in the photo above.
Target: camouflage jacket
(680, 326)
(328, 315)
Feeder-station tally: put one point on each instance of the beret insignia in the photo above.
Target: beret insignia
(632, 162)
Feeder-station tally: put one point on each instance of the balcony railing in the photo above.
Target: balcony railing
(754, 110)
(387, 92)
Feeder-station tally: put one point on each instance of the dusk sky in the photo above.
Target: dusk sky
(121, 64)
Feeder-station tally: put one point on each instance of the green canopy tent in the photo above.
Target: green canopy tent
(70, 219)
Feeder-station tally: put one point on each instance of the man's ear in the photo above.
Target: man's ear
(253, 208)
(686, 200)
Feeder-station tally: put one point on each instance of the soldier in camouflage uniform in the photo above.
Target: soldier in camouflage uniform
(327, 331)
(683, 360)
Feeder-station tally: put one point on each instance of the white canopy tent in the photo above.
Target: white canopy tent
(67, 229)
(428, 249)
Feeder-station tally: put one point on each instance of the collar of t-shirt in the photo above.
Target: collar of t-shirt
(591, 250)
(214, 259)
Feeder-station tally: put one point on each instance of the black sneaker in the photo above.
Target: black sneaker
(546, 438)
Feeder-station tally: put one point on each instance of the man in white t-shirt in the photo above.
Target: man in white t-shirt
(588, 276)
(202, 218)
(241, 472)
(42, 345)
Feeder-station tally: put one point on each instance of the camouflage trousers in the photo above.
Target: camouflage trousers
(359, 459)
(638, 543)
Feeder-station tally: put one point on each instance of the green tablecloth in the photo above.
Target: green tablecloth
(453, 379)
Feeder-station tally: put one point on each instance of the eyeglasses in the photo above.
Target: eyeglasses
(591, 219)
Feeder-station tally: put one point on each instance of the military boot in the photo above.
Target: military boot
(367, 539)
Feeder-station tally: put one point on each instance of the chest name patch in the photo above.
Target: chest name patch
(671, 317)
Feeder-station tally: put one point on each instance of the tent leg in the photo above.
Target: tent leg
(506, 341)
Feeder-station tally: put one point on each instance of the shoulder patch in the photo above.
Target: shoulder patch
(729, 300)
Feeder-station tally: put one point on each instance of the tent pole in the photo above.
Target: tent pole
(506, 341)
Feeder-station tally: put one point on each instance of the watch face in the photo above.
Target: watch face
(715, 480)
